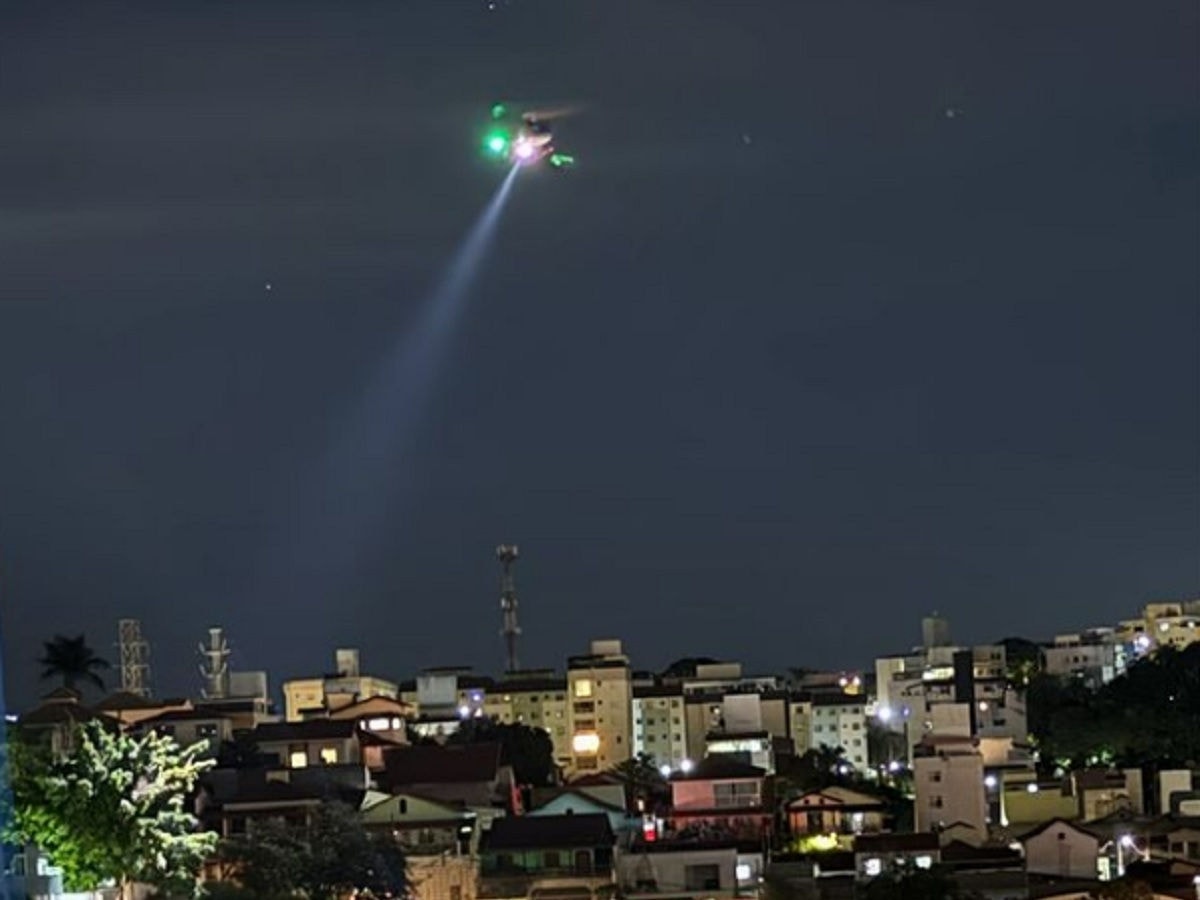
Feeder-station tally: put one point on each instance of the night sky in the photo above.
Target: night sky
(852, 310)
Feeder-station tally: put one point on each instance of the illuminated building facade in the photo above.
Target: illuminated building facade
(600, 708)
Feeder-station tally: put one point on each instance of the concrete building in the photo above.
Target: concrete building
(688, 872)
(719, 799)
(840, 721)
(537, 698)
(660, 725)
(305, 698)
(948, 781)
(600, 715)
(1062, 849)
(1090, 656)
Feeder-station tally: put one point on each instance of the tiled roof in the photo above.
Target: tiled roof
(543, 832)
(719, 767)
(895, 843)
(309, 730)
(437, 764)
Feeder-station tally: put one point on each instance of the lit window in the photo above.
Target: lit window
(873, 866)
(583, 687)
(297, 759)
(329, 756)
(924, 862)
(743, 872)
(586, 743)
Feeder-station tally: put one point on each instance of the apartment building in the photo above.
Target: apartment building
(600, 711)
(660, 724)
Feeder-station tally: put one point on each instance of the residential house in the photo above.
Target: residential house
(470, 775)
(1062, 849)
(384, 717)
(320, 742)
(688, 870)
(188, 727)
(129, 709)
(575, 802)
(875, 854)
(55, 720)
(547, 857)
(720, 798)
(421, 825)
(835, 810)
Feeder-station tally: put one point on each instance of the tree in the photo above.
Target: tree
(1145, 717)
(73, 661)
(1023, 658)
(642, 779)
(528, 750)
(331, 855)
(113, 809)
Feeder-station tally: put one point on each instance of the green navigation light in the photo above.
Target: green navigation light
(496, 143)
(499, 111)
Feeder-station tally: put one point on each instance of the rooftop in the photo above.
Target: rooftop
(541, 832)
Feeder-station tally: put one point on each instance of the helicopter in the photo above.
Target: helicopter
(525, 140)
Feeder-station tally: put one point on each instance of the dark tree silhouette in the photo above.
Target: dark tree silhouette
(528, 750)
(73, 661)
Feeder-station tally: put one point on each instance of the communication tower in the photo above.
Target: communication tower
(215, 667)
(135, 654)
(507, 554)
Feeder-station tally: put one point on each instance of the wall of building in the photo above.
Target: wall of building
(949, 788)
(599, 709)
(443, 877)
(1063, 852)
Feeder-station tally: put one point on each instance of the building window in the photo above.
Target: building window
(935, 777)
(873, 866)
(206, 731)
(583, 687)
(329, 756)
(551, 859)
(297, 759)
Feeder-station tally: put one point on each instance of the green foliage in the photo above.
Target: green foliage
(112, 809)
(73, 661)
(642, 780)
(528, 750)
(1145, 717)
(1024, 659)
(331, 855)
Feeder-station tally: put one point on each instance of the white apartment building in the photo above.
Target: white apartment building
(660, 724)
(840, 722)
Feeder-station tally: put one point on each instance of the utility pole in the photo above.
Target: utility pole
(507, 554)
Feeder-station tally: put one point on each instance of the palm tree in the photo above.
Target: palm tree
(72, 660)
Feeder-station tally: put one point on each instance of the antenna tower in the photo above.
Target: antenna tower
(215, 668)
(507, 554)
(135, 655)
